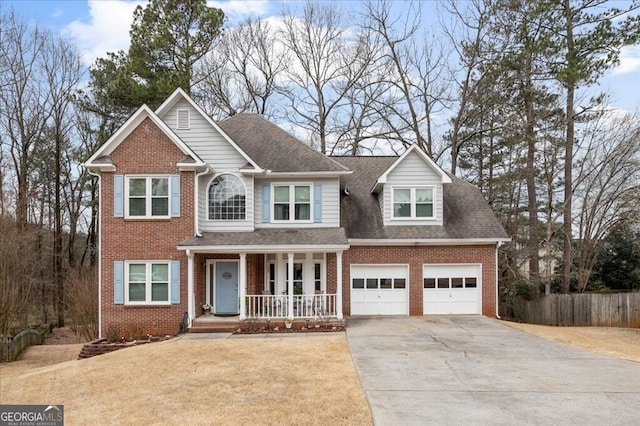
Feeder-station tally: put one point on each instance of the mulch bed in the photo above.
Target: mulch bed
(263, 326)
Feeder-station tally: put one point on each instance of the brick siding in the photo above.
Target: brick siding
(416, 257)
(147, 150)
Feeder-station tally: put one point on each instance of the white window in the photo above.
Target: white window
(227, 200)
(413, 203)
(292, 203)
(148, 197)
(147, 283)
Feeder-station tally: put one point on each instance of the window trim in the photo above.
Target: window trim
(292, 202)
(244, 187)
(413, 203)
(148, 196)
(148, 283)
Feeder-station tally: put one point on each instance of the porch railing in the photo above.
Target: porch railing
(304, 306)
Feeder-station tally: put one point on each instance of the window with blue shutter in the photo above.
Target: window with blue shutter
(118, 282)
(118, 195)
(317, 203)
(175, 196)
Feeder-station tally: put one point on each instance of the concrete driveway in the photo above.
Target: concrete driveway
(464, 370)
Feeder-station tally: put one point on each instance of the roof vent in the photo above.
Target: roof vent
(183, 119)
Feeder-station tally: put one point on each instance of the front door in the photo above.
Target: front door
(226, 288)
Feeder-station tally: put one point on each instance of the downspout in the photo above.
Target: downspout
(99, 176)
(195, 201)
(497, 294)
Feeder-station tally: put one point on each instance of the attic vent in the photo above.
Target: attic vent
(184, 119)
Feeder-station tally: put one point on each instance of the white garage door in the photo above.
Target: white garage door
(452, 289)
(379, 290)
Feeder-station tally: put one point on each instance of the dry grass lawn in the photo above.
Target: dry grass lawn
(293, 380)
(621, 343)
(301, 380)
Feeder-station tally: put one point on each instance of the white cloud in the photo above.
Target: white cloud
(107, 29)
(629, 60)
(237, 11)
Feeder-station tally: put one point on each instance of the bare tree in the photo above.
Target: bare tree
(468, 34)
(23, 100)
(322, 71)
(607, 185)
(17, 275)
(243, 73)
(415, 65)
(62, 68)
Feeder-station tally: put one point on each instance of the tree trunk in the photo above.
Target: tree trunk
(568, 159)
(57, 237)
(533, 240)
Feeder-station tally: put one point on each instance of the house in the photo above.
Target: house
(241, 216)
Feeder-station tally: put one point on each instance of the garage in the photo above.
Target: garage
(379, 289)
(452, 289)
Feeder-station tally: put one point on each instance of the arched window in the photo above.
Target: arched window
(227, 199)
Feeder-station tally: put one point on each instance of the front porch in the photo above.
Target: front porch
(317, 306)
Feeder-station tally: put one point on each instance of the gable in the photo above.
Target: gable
(419, 161)
(207, 141)
(203, 135)
(146, 150)
(101, 159)
(413, 170)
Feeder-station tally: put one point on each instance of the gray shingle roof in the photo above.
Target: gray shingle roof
(466, 212)
(274, 149)
(271, 238)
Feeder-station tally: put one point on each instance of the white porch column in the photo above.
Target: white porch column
(191, 295)
(339, 284)
(242, 282)
(290, 285)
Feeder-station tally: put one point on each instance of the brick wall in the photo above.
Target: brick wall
(145, 151)
(415, 257)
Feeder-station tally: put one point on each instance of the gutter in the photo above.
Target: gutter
(426, 242)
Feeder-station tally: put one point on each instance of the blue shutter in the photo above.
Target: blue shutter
(266, 203)
(175, 282)
(118, 282)
(118, 195)
(175, 196)
(317, 203)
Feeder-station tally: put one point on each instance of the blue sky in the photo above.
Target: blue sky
(100, 26)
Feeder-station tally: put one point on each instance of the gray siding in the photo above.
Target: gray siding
(330, 203)
(205, 141)
(413, 171)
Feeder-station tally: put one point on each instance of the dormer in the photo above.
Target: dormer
(410, 191)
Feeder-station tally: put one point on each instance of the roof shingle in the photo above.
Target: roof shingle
(274, 149)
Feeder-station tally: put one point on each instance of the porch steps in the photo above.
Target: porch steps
(214, 327)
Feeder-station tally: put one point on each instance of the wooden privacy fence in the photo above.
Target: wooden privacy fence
(13, 348)
(585, 309)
